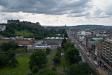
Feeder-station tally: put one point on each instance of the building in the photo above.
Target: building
(13, 21)
(82, 36)
(92, 48)
(2, 27)
(105, 55)
(40, 44)
(24, 42)
(49, 42)
(54, 42)
(97, 48)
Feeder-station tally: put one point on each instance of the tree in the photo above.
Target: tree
(63, 42)
(37, 61)
(3, 60)
(12, 59)
(72, 55)
(10, 46)
(65, 34)
(56, 60)
(79, 69)
(7, 56)
(48, 51)
(48, 72)
(57, 57)
(67, 45)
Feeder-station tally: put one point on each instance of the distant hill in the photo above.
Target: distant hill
(28, 29)
(24, 28)
(92, 27)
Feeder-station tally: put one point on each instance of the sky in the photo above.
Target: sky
(57, 12)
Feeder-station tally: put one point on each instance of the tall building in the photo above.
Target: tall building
(105, 55)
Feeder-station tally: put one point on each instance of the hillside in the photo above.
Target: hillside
(25, 29)
(28, 29)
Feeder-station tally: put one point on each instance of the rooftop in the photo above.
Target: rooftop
(109, 40)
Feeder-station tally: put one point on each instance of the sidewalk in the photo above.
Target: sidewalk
(101, 71)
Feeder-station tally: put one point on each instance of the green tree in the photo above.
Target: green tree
(3, 60)
(56, 60)
(72, 55)
(48, 72)
(63, 42)
(7, 54)
(67, 45)
(10, 46)
(48, 51)
(80, 69)
(37, 61)
(57, 57)
(12, 59)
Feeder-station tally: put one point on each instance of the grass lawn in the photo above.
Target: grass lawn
(24, 33)
(60, 67)
(50, 59)
(22, 68)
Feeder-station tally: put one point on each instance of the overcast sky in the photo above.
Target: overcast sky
(58, 12)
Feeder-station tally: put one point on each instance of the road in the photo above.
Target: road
(83, 53)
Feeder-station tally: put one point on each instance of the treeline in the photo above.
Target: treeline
(74, 64)
(65, 61)
(23, 29)
(8, 54)
(54, 31)
(38, 63)
(27, 29)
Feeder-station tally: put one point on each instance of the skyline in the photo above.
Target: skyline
(56, 12)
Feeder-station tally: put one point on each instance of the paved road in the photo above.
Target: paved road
(82, 50)
(84, 55)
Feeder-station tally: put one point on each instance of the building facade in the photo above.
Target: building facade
(105, 55)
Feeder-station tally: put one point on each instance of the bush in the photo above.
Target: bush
(7, 56)
(47, 72)
(79, 69)
(72, 56)
(56, 60)
(37, 61)
(48, 51)
(57, 57)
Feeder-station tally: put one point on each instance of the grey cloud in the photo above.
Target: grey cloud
(45, 6)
